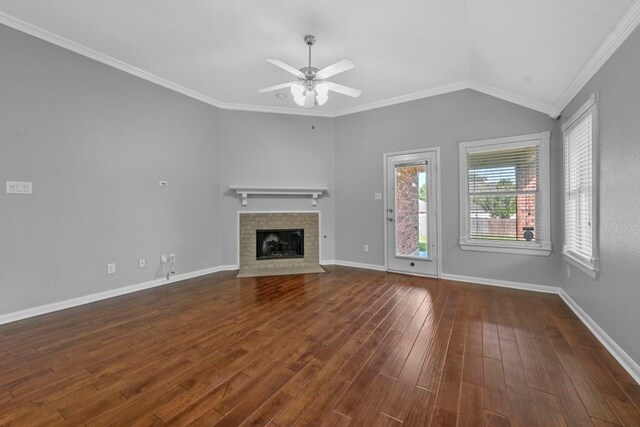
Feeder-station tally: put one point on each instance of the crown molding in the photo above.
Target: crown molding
(57, 40)
(513, 98)
(440, 90)
(35, 31)
(25, 27)
(454, 87)
(619, 35)
(275, 110)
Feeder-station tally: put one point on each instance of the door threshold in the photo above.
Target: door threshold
(407, 273)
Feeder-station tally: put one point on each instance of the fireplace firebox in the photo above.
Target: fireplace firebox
(279, 244)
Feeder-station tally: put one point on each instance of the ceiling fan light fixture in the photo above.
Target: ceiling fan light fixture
(299, 100)
(321, 98)
(312, 89)
(309, 99)
(297, 90)
(322, 88)
(322, 93)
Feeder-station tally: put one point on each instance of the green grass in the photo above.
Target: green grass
(422, 243)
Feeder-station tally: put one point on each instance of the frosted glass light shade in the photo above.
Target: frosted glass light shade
(321, 98)
(322, 88)
(297, 90)
(321, 93)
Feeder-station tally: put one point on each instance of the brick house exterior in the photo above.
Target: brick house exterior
(526, 179)
(407, 218)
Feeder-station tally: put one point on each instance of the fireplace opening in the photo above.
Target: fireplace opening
(279, 244)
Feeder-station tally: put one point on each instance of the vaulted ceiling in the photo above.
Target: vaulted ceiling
(530, 52)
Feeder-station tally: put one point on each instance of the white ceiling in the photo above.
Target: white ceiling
(522, 50)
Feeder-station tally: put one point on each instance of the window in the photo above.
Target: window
(504, 192)
(580, 215)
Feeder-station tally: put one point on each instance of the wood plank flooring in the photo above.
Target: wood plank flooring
(347, 348)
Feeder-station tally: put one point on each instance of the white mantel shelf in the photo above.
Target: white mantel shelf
(313, 192)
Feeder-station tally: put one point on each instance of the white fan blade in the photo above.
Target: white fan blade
(276, 87)
(286, 67)
(337, 68)
(345, 90)
(309, 100)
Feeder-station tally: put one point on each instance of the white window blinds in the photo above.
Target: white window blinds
(502, 193)
(579, 189)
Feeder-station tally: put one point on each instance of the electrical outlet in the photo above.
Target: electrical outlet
(111, 268)
(142, 262)
(172, 257)
(366, 248)
(377, 196)
(163, 259)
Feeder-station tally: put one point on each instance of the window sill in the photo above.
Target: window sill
(580, 265)
(517, 249)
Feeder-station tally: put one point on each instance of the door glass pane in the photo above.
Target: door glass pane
(411, 209)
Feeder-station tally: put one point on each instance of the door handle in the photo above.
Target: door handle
(390, 219)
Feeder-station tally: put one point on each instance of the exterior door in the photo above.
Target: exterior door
(411, 213)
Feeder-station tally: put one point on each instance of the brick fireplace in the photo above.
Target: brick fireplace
(255, 227)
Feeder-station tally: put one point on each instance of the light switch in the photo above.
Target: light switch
(377, 196)
(19, 187)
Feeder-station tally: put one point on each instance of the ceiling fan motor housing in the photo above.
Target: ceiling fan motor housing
(309, 72)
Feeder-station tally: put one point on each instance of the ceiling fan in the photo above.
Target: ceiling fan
(312, 87)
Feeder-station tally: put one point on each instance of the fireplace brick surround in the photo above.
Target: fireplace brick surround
(249, 222)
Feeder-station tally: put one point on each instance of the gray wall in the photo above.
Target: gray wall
(95, 141)
(443, 121)
(614, 298)
(260, 149)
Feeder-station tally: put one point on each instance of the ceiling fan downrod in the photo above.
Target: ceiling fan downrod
(309, 72)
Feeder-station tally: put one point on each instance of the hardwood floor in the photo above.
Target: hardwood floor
(350, 347)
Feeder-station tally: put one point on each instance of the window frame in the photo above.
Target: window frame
(542, 247)
(592, 266)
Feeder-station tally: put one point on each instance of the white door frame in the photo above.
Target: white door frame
(385, 161)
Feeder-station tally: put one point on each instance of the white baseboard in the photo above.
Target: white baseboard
(229, 267)
(502, 283)
(354, 264)
(621, 356)
(86, 299)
